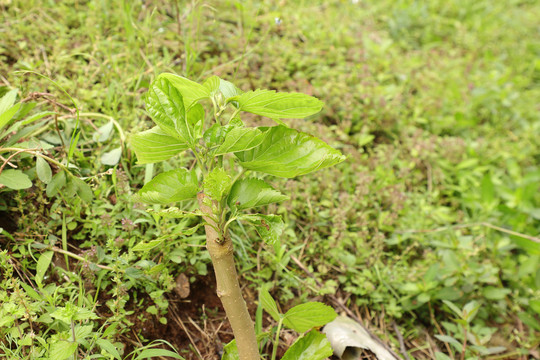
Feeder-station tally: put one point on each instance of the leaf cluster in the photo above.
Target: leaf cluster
(175, 104)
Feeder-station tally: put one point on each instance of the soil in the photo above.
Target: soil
(197, 326)
(8, 222)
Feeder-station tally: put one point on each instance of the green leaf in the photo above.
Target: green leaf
(29, 291)
(7, 101)
(268, 304)
(43, 170)
(269, 227)
(71, 188)
(62, 350)
(36, 117)
(441, 356)
(103, 132)
(215, 135)
(25, 108)
(166, 107)
(230, 351)
(195, 119)
(7, 115)
(15, 179)
(236, 122)
(108, 347)
(278, 105)
(146, 246)
(71, 312)
(59, 314)
(111, 158)
(26, 340)
(175, 213)
(171, 186)
(240, 139)
(155, 145)
(212, 84)
(532, 247)
(423, 298)
(110, 330)
(447, 339)
(217, 184)
(82, 332)
(82, 189)
(529, 320)
(155, 353)
(454, 308)
(191, 91)
(487, 189)
(57, 182)
(73, 143)
(152, 310)
(229, 90)
(494, 293)
(191, 231)
(313, 346)
(42, 266)
(134, 273)
(252, 192)
(289, 153)
(303, 317)
(535, 305)
(169, 109)
(84, 314)
(7, 109)
(470, 310)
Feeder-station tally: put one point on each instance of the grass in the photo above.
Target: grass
(435, 103)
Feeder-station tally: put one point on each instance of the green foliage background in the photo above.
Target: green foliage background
(435, 104)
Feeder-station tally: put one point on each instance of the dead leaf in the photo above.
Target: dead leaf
(182, 286)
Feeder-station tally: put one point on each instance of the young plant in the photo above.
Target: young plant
(301, 318)
(223, 192)
(312, 345)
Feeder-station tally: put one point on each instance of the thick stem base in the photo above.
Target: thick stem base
(228, 289)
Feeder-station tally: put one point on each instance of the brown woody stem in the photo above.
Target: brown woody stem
(221, 252)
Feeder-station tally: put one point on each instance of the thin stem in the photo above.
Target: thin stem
(464, 348)
(202, 165)
(229, 222)
(234, 114)
(219, 113)
(220, 248)
(509, 355)
(9, 158)
(216, 112)
(58, 130)
(74, 338)
(220, 161)
(276, 340)
(80, 258)
(432, 316)
(239, 175)
(36, 153)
